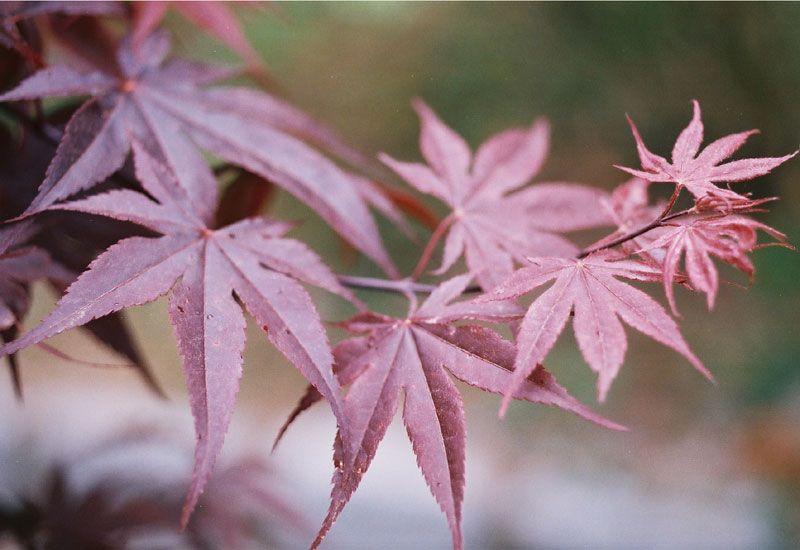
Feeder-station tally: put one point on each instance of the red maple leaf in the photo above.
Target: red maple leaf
(216, 18)
(490, 225)
(412, 356)
(698, 238)
(588, 285)
(161, 103)
(699, 173)
(248, 259)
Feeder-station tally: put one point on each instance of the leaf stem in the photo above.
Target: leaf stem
(431, 246)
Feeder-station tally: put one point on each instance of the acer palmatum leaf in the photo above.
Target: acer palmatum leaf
(490, 225)
(216, 18)
(160, 103)
(699, 172)
(697, 238)
(636, 219)
(413, 356)
(590, 286)
(248, 259)
(629, 206)
(12, 12)
(21, 264)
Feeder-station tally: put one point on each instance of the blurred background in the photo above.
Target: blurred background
(704, 466)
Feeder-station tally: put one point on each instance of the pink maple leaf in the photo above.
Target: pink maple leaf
(590, 286)
(163, 102)
(699, 172)
(412, 357)
(698, 238)
(216, 18)
(491, 225)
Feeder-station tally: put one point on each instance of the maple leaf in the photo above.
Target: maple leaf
(588, 285)
(12, 13)
(248, 259)
(697, 238)
(491, 226)
(216, 18)
(161, 103)
(699, 172)
(18, 267)
(413, 356)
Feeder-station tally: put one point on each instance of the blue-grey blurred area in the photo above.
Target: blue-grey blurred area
(704, 466)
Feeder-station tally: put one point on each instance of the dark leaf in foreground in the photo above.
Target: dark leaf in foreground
(18, 268)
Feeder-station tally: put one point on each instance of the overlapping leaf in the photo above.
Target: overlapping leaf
(248, 259)
(490, 225)
(160, 103)
(412, 356)
(14, 12)
(590, 286)
(699, 172)
(18, 267)
(216, 18)
(697, 238)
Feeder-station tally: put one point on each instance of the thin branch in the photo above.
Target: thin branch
(664, 217)
(402, 286)
(409, 285)
(371, 283)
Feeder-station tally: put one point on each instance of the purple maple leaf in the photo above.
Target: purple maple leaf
(699, 173)
(161, 103)
(412, 356)
(490, 225)
(248, 259)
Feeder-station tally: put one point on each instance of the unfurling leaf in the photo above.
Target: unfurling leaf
(729, 238)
